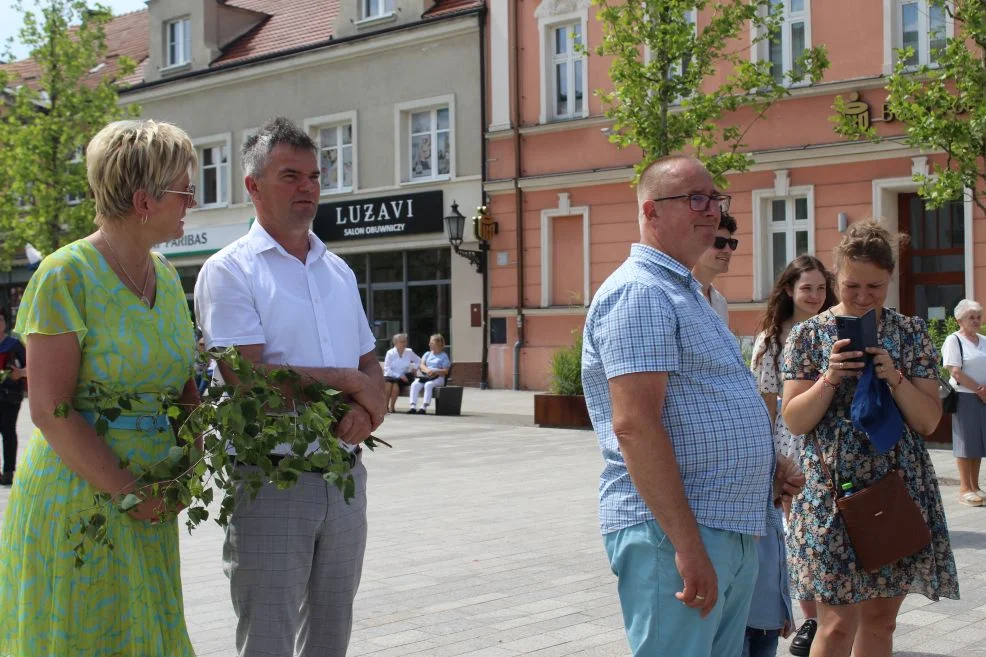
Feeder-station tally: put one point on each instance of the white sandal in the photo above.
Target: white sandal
(970, 499)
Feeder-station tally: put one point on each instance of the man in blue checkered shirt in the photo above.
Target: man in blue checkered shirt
(686, 439)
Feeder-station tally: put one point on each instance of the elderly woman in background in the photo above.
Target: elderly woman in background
(964, 354)
(398, 367)
(103, 311)
(857, 608)
(432, 370)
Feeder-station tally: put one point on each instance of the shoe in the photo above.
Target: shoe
(7, 479)
(801, 644)
(970, 499)
(981, 493)
(422, 411)
(411, 411)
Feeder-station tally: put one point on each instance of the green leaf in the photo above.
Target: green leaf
(175, 454)
(129, 501)
(101, 426)
(319, 460)
(111, 414)
(174, 412)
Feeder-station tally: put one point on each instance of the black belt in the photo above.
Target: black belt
(353, 460)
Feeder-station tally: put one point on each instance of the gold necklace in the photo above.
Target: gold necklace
(141, 290)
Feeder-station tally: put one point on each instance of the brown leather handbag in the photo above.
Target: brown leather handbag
(883, 522)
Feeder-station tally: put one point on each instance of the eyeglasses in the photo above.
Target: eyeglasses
(700, 202)
(721, 242)
(188, 191)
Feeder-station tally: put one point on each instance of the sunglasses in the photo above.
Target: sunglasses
(188, 191)
(721, 242)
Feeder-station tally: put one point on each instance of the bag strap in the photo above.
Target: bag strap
(961, 355)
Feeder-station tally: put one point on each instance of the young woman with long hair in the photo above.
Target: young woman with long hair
(803, 290)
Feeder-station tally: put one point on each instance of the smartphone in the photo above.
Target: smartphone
(861, 331)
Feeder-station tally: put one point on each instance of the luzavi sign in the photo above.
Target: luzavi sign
(380, 217)
(203, 240)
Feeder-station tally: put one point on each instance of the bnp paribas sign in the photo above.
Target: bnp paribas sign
(406, 214)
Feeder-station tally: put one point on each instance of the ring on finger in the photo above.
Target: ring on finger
(700, 597)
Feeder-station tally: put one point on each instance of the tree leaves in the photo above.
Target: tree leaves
(942, 107)
(251, 419)
(47, 123)
(678, 88)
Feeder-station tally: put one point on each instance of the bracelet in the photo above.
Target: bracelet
(825, 381)
(900, 380)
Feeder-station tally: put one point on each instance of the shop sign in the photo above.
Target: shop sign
(208, 239)
(861, 114)
(407, 214)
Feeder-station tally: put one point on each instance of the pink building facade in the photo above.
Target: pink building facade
(567, 214)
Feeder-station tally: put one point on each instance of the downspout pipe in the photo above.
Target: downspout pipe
(518, 192)
(483, 125)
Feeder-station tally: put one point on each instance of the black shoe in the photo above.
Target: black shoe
(801, 644)
(422, 411)
(411, 411)
(7, 479)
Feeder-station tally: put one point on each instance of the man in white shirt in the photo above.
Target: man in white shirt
(715, 261)
(294, 557)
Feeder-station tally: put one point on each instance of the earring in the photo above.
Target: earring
(143, 220)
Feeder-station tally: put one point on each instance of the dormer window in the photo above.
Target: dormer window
(178, 37)
(370, 9)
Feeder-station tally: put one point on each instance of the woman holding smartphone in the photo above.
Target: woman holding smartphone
(857, 608)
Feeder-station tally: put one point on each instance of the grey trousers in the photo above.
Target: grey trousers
(294, 559)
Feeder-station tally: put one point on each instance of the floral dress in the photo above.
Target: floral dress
(769, 382)
(823, 565)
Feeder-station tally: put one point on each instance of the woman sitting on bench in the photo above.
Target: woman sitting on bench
(431, 373)
(399, 366)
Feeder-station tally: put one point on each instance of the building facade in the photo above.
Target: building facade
(567, 214)
(391, 92)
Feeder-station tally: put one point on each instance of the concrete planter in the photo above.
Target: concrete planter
(561, 411)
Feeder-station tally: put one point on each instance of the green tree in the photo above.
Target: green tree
(663, 99)
(52, 105)
(943, 107)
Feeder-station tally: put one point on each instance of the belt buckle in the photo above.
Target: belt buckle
(152, 423)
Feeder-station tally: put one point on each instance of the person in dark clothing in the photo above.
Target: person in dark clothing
(13, 361)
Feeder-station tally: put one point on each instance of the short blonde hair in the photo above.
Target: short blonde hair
(437, 337)
(127, 156)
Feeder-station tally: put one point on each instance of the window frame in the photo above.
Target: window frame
(547, 26)
(386, 9)
(764, 229)
(893, 30)
(691, 16)
(224, 177)
(761, 49)
(185, 53)
(403, 145)
(78, 158)
(314, 126)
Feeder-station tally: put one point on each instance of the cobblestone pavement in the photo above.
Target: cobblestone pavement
(483, 542)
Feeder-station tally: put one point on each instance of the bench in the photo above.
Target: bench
(448, 398)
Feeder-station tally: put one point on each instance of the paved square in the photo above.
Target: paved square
(484, 542)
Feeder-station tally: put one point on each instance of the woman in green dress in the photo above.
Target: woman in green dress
(103, 310)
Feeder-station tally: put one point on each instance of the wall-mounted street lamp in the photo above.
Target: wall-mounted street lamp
(484, 228)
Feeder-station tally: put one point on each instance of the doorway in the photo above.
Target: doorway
(932, 264)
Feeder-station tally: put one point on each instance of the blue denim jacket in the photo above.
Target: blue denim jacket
(771, 605)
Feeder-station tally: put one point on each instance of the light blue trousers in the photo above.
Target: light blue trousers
(657, 624)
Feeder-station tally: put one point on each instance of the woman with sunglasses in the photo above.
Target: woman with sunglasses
(104, 316)
(803, 290)
(715, 261)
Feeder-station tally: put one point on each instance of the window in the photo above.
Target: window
(783, 49)
(567, 71)
(425, 146)
(922, 27)
(335, 157)
(431, 142)
(407, 291)
(376, 8)
(785, 231)
(214, 174)
(681, 67)
(76, 166)
(178, 40)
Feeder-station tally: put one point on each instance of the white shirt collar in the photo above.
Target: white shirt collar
(260, 240)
